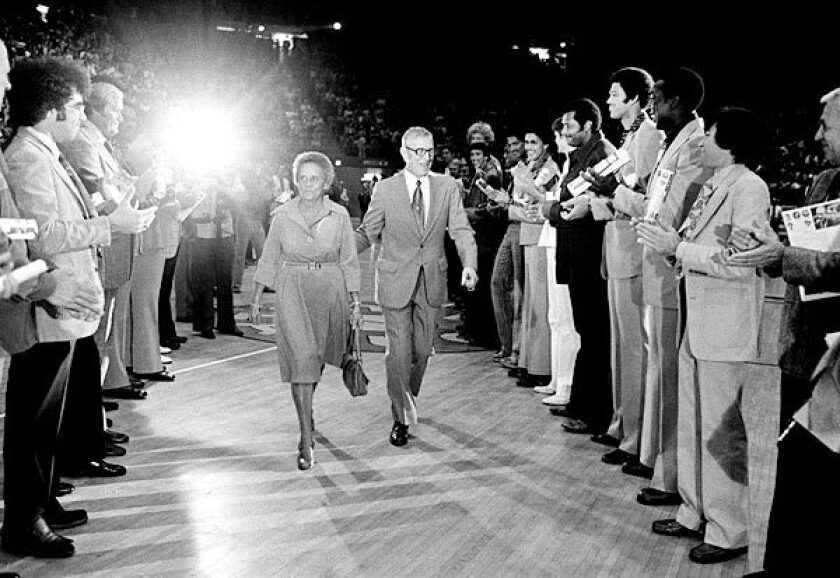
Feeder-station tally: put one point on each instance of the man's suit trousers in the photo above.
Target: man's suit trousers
(110, 337)
(82, 437)
(411, 334)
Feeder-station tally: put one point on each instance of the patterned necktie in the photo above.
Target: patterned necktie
(418, 207)
(85, 203)
(697, 210)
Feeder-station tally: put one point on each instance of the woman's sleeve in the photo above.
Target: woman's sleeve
(272, 254)
(348, 257)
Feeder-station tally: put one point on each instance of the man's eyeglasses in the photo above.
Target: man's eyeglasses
(421, 152)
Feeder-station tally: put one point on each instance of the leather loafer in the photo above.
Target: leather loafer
(64, 488)
(127, 392)
(671, 527)
(638, 469)
(58, 518)
(110, 405)
(605, 440)
(37, 540)
(708, 554)
(95, 469)
(577, 426)
(399, 434)
(654, 497)
(114, 450)
(616, 457)
(157, 376)
(116, 437)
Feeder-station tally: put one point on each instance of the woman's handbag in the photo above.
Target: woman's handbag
(351, 364)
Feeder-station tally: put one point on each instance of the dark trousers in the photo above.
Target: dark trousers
(82, 437)
(591, 398)
(166, 323)
(480, 324)
(800, 539)
(34, 403)
(211, 266)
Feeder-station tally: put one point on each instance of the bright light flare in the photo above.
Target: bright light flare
(336, 26)
(202, 138)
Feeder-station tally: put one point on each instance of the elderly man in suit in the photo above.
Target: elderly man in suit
(409, 215)
(92, 157)
(630, 92)
(721, 306)
(46, 108)
(808, 472)
(671, 189)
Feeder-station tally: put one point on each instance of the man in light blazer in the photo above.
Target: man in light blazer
(409, 215)
(630, 93)
(46, 108)
(679, 175)
(721, 306)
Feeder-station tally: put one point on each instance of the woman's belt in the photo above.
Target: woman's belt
(308, 265)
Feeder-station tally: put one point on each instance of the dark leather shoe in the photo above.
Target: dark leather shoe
(577, 426)
(671, 527)
(60, 519)
(171, 344)
(708, 554)
(605, 440)
(207, 334)
(638, 469)
(116, 437)
(37, 540)
(136, 382)
(114, 451)
(95, 469)
(110, 405)
(616, 457)
(64, 488)
(9, 575)
(157, 376)
(127, 392)
(399, 434)
(561, 411)
(179, 339)
(236, 332)
(654, 497)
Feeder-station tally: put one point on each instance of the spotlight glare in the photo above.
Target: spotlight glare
(201, 138)
(337, 26)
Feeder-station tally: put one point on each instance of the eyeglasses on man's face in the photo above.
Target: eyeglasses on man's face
(421, 152)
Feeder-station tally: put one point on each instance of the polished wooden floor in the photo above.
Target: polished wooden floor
(489, 485)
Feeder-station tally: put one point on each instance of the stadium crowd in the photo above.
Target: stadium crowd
(614, 292)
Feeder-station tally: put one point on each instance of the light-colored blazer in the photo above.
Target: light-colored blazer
(622, 251)
(93, 162)
(43, 191)
(683, 157)
(405, 247)
(724, 303)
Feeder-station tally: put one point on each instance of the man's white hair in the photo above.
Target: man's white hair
(415, 131)
(833, 96)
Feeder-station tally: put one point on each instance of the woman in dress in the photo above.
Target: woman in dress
(310, 261)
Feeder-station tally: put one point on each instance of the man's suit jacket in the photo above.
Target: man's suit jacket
(724, 303)
(90, 157)
(68, 228)
(405, 247)
(683, 158)
(622, 251)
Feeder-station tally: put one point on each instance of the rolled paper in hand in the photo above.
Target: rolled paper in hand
(605, 167)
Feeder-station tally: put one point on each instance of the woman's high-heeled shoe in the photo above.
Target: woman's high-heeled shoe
(302, 462)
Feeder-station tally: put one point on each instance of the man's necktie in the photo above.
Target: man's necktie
(418, 207)
(85, 203)
(697, 210)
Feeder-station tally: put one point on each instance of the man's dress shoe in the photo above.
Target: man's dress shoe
(114, 450)
(170, 345)
(207, 334)
(116, 437)
(560, 411)
(236, 332)
(64, 488)
(126, 392)
(60, 519)
(179, 339)
(37, 540)
(671, 527)
(95, 469)
(654, 497)
(157, 376)
(136, 382)
(399, 434)
(638, 469)
(9, 575)
(605, 440)
(110, 405)
(616, 457)
(577, 426)
(708, 554)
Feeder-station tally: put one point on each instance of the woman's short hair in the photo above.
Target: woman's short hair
(317, 158)
(483, 129)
